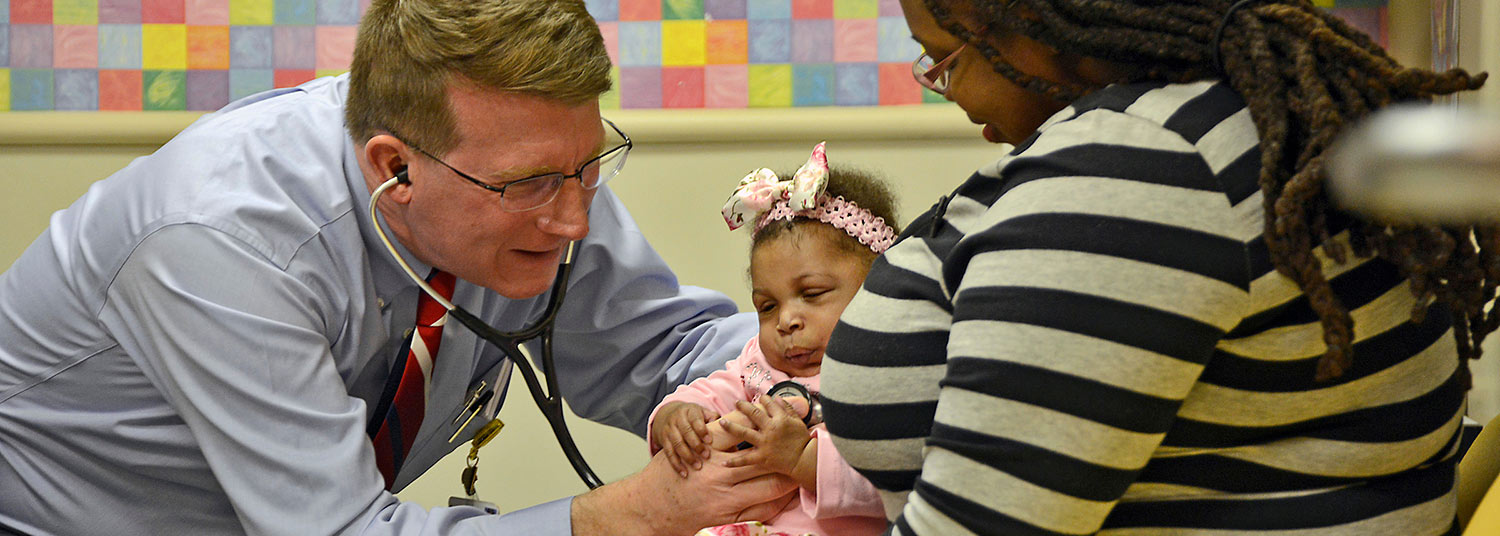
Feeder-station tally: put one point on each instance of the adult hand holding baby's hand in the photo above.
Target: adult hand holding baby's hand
(681, 430)
(776, 432)
(657, 502)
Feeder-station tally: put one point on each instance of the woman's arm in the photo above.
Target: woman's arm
(1086, 302)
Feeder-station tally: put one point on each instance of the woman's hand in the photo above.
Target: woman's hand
(777, 435)
(681, 430)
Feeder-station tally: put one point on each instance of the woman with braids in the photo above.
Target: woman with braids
(1147, 318)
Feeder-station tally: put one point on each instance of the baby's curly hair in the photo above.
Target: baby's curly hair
(856, 186)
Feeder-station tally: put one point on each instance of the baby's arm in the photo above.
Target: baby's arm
(721, 440)
(847, 492)
(779, 440)
(679, 423)
(841, 491)
(681, 429)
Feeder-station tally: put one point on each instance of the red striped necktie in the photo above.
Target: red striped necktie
(394, 439)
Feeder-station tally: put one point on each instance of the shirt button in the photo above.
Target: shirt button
(380, 302)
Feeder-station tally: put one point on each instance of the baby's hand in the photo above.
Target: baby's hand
(775, 431)
(681, 430)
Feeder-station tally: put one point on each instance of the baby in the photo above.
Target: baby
(815, 237)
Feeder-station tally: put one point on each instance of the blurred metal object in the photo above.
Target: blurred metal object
(1444, 34)
(1445, 41)
(1419, 163)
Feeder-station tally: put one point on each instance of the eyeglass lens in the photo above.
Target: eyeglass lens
(536, 191)
(933, 74)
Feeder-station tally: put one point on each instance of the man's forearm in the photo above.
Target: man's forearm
(658, 502)
(610, 509)
(634, 505)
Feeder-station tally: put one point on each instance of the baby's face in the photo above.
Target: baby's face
(800, 284)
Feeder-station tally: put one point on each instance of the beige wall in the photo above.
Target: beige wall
(1411, 33)
(682, 170)
(1479, 49)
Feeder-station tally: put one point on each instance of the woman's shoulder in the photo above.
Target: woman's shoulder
(1191, 109)
(1197, 136)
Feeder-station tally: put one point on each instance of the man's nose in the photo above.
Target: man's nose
(568, 215)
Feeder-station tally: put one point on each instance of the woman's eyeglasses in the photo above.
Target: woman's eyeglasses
(932, 74)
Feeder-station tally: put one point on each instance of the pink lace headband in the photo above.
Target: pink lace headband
(762, 197)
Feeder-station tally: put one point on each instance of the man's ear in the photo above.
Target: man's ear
(387, 156)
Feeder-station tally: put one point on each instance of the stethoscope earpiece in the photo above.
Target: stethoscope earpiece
(401, 178)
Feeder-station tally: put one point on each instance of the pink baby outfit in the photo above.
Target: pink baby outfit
(845, 504)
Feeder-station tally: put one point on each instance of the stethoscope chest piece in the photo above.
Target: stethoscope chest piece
(789, 388)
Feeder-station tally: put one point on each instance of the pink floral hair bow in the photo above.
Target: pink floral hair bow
(761, 189)
(762, 197)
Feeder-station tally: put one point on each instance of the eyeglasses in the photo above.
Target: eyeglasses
(934, 75)
(533, 192)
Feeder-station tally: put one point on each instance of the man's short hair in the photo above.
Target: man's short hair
(409, 51)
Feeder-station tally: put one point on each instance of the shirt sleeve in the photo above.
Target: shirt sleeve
(629, 333)
(1084, 310)
(718, 391)
(240, 350)
(841, 490)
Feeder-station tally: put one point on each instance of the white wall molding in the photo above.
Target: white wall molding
(917, 122)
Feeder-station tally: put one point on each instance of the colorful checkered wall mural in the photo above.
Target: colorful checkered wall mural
(149, 55)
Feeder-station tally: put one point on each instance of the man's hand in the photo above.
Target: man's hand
(657, 501)
(681, 430)
(777, 434)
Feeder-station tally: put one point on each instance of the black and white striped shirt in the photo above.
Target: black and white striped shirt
(1093, 339)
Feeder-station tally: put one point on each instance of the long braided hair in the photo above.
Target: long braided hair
(1305, 75)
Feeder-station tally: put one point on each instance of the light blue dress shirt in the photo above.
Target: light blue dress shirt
(193, 347)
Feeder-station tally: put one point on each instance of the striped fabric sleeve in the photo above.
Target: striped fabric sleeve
(1086, 301)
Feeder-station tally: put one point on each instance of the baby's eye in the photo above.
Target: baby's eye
(765, 307)
(814, 293)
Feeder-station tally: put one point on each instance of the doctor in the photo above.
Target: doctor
(199, 344)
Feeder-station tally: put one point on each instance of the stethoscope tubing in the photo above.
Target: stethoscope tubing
(549, 401)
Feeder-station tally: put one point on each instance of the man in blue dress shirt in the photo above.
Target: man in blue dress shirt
(197, 344)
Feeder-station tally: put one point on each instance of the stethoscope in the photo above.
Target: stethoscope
(549, 401)
(789, 389)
